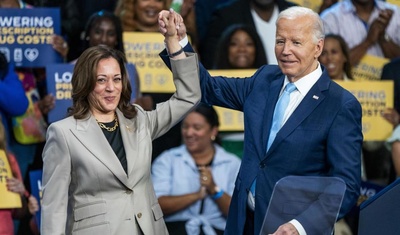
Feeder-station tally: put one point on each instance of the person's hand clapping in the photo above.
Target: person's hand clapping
(206, 179)
(202, 193)
(379, 25)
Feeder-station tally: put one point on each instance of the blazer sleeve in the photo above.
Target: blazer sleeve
(187, 95)
(55, 181)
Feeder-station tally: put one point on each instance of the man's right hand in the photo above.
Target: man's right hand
(180, 25)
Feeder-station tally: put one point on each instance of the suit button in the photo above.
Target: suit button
(262, 165)
(139, 215)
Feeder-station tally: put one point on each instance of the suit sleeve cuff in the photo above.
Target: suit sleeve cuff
(298, 226)
(184, 41)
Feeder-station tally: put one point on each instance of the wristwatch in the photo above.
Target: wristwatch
(387, 37)
(216, 190)
(218, 193)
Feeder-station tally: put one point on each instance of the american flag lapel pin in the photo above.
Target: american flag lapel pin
(315, 97)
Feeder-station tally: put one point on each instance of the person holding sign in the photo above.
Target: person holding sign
(96, 171)
(29, 128)
(297, 121)
(13, 184)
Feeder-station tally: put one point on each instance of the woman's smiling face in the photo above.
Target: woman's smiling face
(333, 58)
(107, 92)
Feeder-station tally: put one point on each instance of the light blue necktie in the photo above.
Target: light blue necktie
(277, 120)
(279, 112)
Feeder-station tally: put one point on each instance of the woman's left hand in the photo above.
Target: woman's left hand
(60, 45)
(15, 185)
(391, 116)
(33, 205)
(47, 103)
(207, 180)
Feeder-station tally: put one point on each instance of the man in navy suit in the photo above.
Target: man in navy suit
(321, 132)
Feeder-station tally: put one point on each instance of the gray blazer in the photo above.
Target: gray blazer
(85, 188)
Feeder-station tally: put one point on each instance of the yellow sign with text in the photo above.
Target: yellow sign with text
(231, 120)
(8, 199)
(374, 97)
(369, 68)
(142, 49)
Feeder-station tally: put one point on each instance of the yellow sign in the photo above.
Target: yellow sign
(312, 4)
(374, 97)
(142, 49)
(231, 120)
(8, 199)
(369, 68)
(395, 2)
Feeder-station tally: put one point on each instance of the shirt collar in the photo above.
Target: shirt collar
(305, 83)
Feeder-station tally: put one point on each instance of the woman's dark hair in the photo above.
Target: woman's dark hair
(84, 80)
(222, 58)
(211, 116)
(345, 51)
(95, 18)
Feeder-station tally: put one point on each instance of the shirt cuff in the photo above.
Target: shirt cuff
(298, 226)
(184, 41)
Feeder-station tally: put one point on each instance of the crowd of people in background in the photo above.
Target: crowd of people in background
(193, 175)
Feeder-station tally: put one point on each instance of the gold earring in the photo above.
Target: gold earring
(212, 138)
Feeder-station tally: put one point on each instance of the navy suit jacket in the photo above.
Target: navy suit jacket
(322, 137)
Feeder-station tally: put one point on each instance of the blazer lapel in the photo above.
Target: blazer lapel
(313, 98)
(91, 136)
(129, 137)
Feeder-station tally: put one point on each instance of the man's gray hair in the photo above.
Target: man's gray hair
(296, 12)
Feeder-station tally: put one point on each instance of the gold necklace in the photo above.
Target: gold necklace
(110, 129)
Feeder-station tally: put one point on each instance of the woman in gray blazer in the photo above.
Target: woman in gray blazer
(96, 174)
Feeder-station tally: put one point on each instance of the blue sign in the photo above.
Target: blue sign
(59, 85)
(26, 36)
(36, 191)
